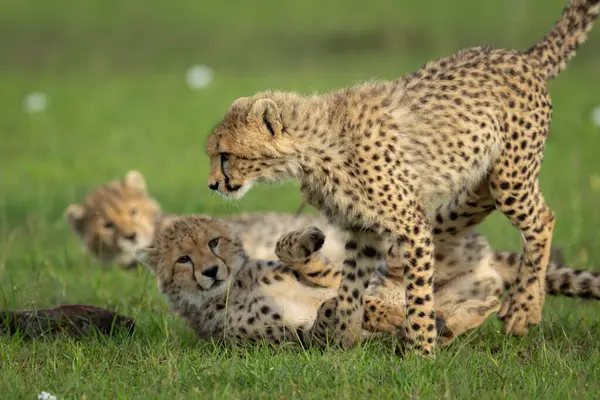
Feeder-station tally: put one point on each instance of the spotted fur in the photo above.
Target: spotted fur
(382, 156)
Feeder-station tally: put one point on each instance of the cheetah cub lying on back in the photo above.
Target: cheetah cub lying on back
(203, 270)
(120, 217)
(381, 156)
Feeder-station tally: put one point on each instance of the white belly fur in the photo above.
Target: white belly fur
(295, 302)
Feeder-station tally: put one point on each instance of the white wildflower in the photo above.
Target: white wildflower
(46, 396)
(199, 76)
(35, 102)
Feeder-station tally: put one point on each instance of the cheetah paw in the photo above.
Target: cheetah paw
(445, 334)
(383, 318)
(335, 326)
(299, 245)
(520, 310)
(427, 352)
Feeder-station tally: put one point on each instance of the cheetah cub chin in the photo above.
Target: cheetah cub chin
(203, 270)
(209, 279)
(381, 156)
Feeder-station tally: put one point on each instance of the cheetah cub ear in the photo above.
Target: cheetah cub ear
(240, 103)
(150, 257)
(135, 179)
(75, 214)
(265, 113)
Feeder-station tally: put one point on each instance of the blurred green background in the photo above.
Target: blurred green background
(114, 76)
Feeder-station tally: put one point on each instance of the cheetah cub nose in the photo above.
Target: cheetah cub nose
(211, 272)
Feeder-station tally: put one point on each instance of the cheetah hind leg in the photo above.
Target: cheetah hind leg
(525, 206)
(469, 315)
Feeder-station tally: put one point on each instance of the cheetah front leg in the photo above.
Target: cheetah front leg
(462, 213)
(414, 234)
(385, 298)
(466, 210)
(339, 319)
(341, 315)
(381, 316)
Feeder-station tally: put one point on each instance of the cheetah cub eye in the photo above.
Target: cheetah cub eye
(213, 244)
(109, 224)
(185, 260)
(224, 160)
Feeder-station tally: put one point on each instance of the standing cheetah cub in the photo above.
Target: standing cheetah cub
(381, 156)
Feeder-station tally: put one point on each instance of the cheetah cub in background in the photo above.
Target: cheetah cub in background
(381, 156)
(209, 279)
(116, 219)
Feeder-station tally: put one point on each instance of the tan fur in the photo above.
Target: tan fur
(224, 294)
(466, 131)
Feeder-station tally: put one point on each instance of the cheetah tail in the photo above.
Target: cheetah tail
(559, 45)
(565, 281)
(560, 279)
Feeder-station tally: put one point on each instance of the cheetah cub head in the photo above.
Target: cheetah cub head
(115, 220)
(250, 145)
(194, 255)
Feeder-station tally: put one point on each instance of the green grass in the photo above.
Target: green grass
(114, 75)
